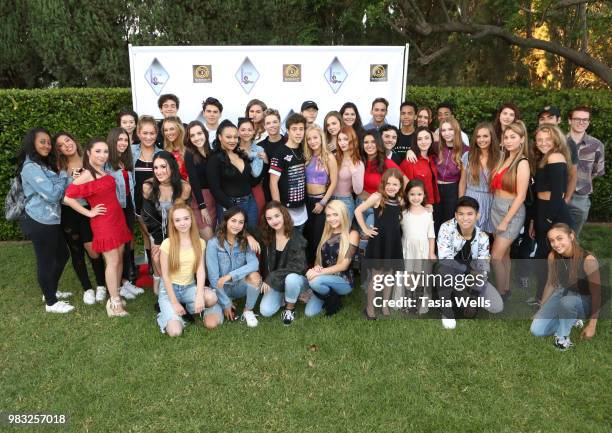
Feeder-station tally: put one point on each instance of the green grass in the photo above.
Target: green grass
(342, 374)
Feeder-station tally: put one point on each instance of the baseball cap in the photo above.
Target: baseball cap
(550, 109)
(309, 104)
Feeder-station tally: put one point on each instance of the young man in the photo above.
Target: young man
(211, 111)
(389, 135)
(310, 110)
(271, 144)
(288, 174)
(463, 253)
(379, 110)
(444, 111)
(550, 115)
(168, 106)
(408, 111)
(591, 164)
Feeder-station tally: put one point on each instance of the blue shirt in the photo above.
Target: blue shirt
(44, 191)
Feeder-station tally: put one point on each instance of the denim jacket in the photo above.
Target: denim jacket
(120, 184)
(136, 151)
(44, 190)
(226, 260)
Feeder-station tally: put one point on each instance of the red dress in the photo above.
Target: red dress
(109, 230)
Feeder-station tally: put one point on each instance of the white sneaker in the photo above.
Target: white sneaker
(59, 307)
(100, 293)
(132, 288)
(579, 323)
(89, 297)
(125, 293)
(250, 319)
(448, 323)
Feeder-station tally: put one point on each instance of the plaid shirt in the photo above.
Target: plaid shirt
(590, 162)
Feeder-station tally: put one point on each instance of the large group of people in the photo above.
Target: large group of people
(277, 214)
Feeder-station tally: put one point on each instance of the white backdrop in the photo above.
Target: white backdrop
(366, 72)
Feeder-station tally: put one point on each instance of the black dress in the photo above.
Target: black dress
(387, 244)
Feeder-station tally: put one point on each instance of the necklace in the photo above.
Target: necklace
(299, 158)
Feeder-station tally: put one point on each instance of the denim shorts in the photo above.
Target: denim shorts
(185, 294)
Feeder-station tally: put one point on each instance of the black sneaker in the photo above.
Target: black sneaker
(562, 343)
(288, 317)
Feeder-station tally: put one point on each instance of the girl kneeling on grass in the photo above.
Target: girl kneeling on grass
(573, 290)
(332, 276)
(181, 257)
(232, 266)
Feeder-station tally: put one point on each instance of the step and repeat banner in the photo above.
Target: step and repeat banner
(281, 76)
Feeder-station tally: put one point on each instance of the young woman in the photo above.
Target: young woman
(255, 110)
(332, 276)
(424, 167)
(509, 183)
(321, 180)
(350, 169)
(160, 193)
(385, 231)
(551, 176)
(351, 117)
(333, 124)
(284, 263)
(128, 120)
(182, 257)
(110, 232)
(418, 239)
(232, 266)
(230, 176)
(257, 157)
(450, 152)
(476, 168)
(76, 227)
(121, 167)
(197, 153)
(44, 188)
(142, 156)
(270, 145)
(506, 114)
(573, 290)
(424, 118)
(174, 142)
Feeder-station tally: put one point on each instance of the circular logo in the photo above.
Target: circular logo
(202, 72)
(378, 71)
(292, 71)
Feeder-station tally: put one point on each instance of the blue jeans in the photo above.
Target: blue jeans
(368, 215)
(247, 204)
(579, 210)
(323, 285)
(559, 313)
(185, 295)
(350, 205)
(240, 289)
(272, 301)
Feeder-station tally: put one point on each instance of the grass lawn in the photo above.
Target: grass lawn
(343, 374)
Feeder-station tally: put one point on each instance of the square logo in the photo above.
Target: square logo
(378, 72)
(292, 73)
(202, 73)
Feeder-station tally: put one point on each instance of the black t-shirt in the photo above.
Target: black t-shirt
(270, 147)
(403, 144)
(288, 164)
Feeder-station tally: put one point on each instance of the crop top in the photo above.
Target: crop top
(315, 172)
(496, 181)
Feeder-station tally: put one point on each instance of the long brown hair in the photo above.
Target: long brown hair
(391, 172)
(576, 259)
(62, 161)
(476, 152)
(86, 164)
(498, 125)
(267, 232)
(353, 145)
(114, 158)
(198, 155)
(241, 238)
(509, 177)
(259, 126)
(457, 151)
(559, 145)
(174, 255)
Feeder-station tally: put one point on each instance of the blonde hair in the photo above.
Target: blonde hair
(509, 177)
(324, 154)
(174, 255)
(180, 140)
(559, 145)
(328, 231)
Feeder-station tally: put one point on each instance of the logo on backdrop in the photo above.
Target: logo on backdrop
(378, 72)
(292, 73)
(335, 75)
(202, 73)
(247, 75)
(156, 76)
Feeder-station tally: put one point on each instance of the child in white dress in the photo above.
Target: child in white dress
(418, 240)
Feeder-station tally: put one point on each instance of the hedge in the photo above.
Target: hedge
(91, 112)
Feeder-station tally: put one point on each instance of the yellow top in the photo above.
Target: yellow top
(184, 275)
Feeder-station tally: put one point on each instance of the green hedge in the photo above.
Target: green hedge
(90, 112)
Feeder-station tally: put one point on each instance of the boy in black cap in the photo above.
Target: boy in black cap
(310, 110)
(550, 115)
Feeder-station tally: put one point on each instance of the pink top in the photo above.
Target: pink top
(350, 179)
